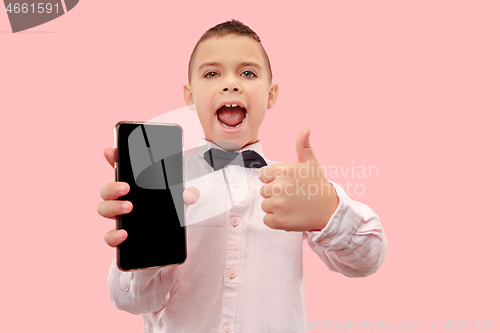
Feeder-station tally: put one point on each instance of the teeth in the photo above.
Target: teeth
(234, 105)
(231, 105)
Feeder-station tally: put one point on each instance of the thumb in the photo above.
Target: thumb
(304, 150)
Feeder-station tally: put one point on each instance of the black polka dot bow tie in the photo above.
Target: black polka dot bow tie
(219, 158)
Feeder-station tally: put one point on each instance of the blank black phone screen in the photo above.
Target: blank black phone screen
(150, 160)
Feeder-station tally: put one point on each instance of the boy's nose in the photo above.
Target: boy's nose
(230, 86)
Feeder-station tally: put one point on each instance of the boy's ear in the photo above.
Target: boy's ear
(273, 95)
(188, 95)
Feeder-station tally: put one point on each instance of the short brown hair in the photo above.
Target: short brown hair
(227, 28)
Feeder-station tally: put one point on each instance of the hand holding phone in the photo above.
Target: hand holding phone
(110, 207)
(157, 230)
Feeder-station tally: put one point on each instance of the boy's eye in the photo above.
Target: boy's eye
(211, 75)
(248, 74)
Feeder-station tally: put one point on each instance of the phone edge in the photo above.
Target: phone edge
(183, 187)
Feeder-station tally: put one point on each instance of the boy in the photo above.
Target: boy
(243, 272)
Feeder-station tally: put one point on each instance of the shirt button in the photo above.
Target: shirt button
(325, 241)
(227, 329)
(232, 274)
(235, 222)
(234, 184)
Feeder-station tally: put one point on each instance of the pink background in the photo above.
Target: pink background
(409, 87)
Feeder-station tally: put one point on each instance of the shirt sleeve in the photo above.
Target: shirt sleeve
(353, 241)
(140, 291)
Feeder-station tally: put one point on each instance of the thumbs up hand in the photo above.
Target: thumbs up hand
(297, 196)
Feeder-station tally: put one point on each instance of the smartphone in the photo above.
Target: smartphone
(151, 160)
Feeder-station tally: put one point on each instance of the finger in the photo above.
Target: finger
(110, 154)
(112, 208)
(114, 190)
(266, 190)
(267, 174)
(191, 195)
(266, 206)
(303, 146)
(115, 237)
(269, 221)
(275, 188)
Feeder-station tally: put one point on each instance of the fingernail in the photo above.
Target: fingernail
(121, 188)
(125, 205)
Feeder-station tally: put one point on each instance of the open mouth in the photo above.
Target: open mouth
(231, 115)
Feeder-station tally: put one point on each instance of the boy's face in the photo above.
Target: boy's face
(230, 70)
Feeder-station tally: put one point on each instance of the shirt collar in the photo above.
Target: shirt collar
(206, 145)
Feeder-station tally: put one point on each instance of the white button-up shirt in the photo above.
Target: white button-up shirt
(241, 276)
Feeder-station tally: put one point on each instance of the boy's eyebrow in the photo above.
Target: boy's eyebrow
(243, 64)
(254, 64)
(208, 64)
